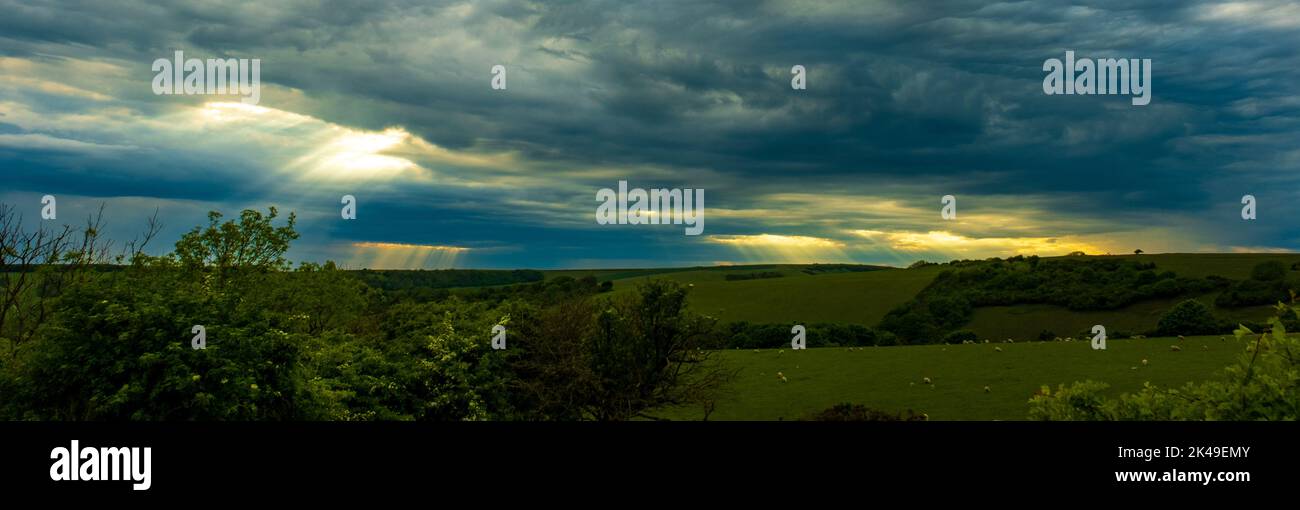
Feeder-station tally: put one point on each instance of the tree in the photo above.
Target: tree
(616, 358)
(1188, 318)
(1268, 271)
(647, 352)
(39, 266)
(252, 243)
(1138, 251)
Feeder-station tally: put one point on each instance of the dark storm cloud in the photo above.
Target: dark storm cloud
(935, 97)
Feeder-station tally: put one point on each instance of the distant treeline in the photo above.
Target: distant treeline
(753, 276)
(745, 335)
(15, 268)
(1074, 283)
(445, 278)
(841, 268)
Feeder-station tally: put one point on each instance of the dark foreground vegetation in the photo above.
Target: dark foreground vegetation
(90, 331)
(311, 342)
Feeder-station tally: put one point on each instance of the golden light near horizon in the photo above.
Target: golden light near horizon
(376, 255)
(948, 243)
(783, 248)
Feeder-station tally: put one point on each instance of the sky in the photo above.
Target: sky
(905, 102)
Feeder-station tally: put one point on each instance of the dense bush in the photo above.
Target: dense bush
(859, 412)
(753, 276)
(1074, 283)
(1268, 271)
(1189, 317)
(318, 343)
(744, 335)
(960, 336)
(1267, 285)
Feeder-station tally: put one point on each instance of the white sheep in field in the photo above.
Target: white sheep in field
(1010, 341)
(1144, 362)
(1069, 339)
(926, 380)
(1139, 337)
(1058, 339)
(1180, 338)
(1175, 348)
(781, 377)
(986, 389)
(1223, 339)
(997, 349)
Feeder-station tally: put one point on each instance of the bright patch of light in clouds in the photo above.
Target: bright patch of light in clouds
(783, 248)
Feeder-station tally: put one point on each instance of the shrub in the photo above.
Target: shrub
(1188, 318)
(1268, 271)
(1260, 386)
(859, 412)
(960, 336)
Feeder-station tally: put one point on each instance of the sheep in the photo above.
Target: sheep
(1009, 341)
(780, 352)
(1069, 339)
(781, 377)
(986, 389)
(1223, 339)
(1058, 339)
(1132, 368)
(1175, 348)
(926, 380)
(986, 340)
(1144, 362)
(1180, 339)
(1205, 347)
(755, 351)
(1139, 337)
(997, 349)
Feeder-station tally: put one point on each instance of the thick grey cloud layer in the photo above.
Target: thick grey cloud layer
(905, 100)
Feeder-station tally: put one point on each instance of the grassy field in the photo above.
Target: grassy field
(891, 377)
(1024, 322)
(1235, 266)
(852, 298)
(864, 298)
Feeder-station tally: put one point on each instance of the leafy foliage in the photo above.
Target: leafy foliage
(1189, 317)
(1075, 283)
(318, 343)
(859, 412)
(1263, 385)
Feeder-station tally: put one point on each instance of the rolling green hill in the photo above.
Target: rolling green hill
(865, 297)
(845, 297)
